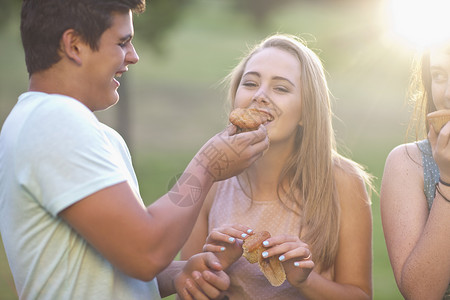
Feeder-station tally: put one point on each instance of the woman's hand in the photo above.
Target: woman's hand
(226, 243)
(294, 254)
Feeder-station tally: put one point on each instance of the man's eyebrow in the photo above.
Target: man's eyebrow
(273, 78)
(126, 38)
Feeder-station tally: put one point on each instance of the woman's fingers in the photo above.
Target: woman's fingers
(213, 248)
(229, 233)
(287, 247)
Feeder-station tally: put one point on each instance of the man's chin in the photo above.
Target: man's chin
(109, 102)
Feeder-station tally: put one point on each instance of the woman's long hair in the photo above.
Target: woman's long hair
(311, 168)
(420, 96)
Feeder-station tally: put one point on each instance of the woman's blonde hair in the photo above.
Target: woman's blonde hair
(311, 167)
(420, 95)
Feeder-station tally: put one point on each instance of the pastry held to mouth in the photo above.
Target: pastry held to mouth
(247, 119)
(271, 267)
(438, 119)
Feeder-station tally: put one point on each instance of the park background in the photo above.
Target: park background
(172, 101)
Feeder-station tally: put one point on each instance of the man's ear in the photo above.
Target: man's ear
(71, 45)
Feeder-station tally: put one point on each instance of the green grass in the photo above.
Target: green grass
(176, 104)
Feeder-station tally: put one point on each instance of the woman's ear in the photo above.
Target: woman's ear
(70, 45)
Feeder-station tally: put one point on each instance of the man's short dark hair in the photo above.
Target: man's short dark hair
(44, 21)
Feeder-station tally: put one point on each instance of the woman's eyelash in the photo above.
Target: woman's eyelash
(282, 89)
(438, 76)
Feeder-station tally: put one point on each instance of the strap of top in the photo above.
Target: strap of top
(430, 171)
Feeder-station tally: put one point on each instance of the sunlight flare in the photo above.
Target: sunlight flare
(420, 22)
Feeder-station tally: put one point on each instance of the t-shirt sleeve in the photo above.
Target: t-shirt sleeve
(66, 156)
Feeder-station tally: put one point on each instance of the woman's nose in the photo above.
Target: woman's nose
(261, 97)
(447, 91)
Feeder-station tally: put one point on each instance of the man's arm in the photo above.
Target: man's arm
(143, 241)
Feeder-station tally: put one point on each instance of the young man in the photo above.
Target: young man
(71, 217)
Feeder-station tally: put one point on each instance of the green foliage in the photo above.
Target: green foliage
(259, 10)
(8, 8)
(155, 23)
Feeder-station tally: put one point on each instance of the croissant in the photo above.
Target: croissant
(247, 119)
(271, 267)
(438, 119)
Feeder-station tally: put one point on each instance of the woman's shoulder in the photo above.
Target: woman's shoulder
(352, 182)
(403, 168)
(405, 154)
(347, 169)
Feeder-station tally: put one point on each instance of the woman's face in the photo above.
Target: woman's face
(440, 76)
(271, 82)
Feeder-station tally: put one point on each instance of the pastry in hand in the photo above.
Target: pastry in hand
(253, 247)
(438, 119)
(271, 267)
(247, 119)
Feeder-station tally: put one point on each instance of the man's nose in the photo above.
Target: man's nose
(132, 56)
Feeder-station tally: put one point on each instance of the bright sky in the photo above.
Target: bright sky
(420, 22)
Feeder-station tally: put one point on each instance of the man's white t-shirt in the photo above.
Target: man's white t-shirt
(53, 153)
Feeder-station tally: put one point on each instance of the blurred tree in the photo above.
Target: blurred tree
(152, 26)
(160, 16)
(259, 10)
(8, 8)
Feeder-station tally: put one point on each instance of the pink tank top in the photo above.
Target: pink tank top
(231, 206)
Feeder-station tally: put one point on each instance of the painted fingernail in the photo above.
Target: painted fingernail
(281, 258)
(222, 249)
(249, 231)
(244, 235)
(266, 243)
(296, 264)
(231, 239)
(265, 254)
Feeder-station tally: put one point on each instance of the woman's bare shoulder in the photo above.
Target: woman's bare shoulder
(405, 153)
(403, 173)
(404, 160)
(351, 180)
(346, 169)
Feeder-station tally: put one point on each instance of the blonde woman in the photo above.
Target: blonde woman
(312, 200)
(415, 190)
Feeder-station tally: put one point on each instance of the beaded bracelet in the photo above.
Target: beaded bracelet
(443, 182)
(440, 193)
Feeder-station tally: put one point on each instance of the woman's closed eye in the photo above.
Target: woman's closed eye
(282, 89)
(439, 76)
(249, 84)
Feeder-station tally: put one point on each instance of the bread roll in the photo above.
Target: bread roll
(271, 267)
(247, 119)
(438, 119)
(253, 247)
